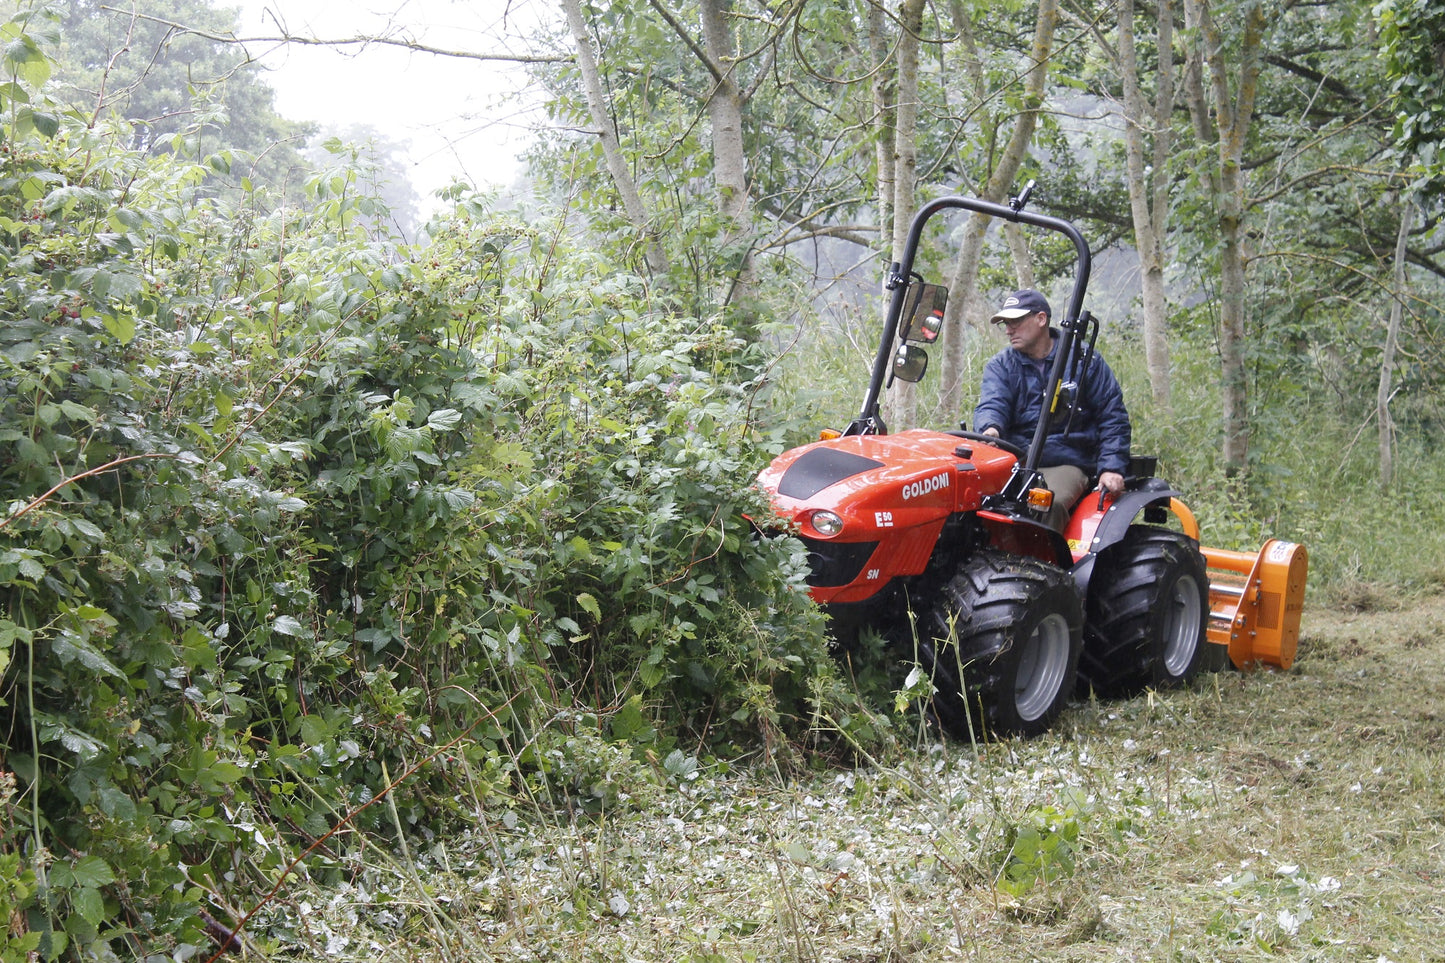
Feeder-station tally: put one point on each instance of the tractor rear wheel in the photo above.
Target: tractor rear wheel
(1147, 611)
(1002, 643)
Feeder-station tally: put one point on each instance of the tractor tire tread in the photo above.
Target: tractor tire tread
(975, 623)
(1122, 644)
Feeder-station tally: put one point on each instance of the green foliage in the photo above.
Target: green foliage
(1040, 848)
(165, 69)
(1313, 465)
(297, 520)
(1411, 33)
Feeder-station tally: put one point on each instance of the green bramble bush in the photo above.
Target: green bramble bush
(307, 535)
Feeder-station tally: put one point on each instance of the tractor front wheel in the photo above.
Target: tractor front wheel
(1002, 643)
(1147, 611)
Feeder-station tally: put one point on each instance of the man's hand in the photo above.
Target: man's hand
(991, 431)
(1111, 481)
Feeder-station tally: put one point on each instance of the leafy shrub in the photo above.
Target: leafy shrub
(298, 520)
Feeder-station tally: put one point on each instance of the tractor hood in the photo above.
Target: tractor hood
(848, 495)
(915, 468)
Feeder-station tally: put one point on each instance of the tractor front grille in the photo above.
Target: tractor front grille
(836, 563)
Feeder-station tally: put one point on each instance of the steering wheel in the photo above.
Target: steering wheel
(999, 443)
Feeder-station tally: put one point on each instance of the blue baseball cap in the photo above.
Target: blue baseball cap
(1020, 304)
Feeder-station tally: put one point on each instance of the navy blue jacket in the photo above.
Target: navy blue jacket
(1011, 398)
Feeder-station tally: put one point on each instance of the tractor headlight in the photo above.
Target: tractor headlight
(826, 523)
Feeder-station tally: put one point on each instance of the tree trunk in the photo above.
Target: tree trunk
(905, 145)
(1392, 340)
(1021, 253)
(903, 405)
(725, 111)
(964, 282)
(1149, 188)
(885, 92)
(1232, 113)
(607, 134)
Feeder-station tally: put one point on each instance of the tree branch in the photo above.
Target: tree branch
(286, 36)
(1332, 84)
(713, 68)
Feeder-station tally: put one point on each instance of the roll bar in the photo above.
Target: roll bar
(869, 421)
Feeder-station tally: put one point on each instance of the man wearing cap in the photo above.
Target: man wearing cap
(1095, 441)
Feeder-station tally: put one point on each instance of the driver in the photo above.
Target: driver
(1094, 442)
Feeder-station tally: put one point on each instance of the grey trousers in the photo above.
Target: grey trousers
(1067, 482)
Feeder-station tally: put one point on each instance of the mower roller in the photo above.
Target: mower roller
(935, 541)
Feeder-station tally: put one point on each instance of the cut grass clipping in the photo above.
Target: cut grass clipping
(1263, 816)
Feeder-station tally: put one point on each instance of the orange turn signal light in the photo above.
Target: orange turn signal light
(828, 434)
(1041, 498)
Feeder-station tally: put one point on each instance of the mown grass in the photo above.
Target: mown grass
(1253, 816)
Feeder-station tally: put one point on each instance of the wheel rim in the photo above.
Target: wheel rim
(1042, 666)
(1181, 626)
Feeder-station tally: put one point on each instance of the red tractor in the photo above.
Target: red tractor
(935, 541)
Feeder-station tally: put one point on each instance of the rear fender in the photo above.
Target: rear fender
(1255, 598)
(1094, 529)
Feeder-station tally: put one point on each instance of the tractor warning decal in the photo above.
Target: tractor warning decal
(927, 486)
(1281, 551)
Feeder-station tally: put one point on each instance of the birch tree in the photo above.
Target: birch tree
(677, 75)
(725, 110)
(1221, 103)
(1414, 54)
(1148, 134)
(1392, 342)
(997, 186)
(606, 130)
(905, 132)
(900, 126)
(884, 71)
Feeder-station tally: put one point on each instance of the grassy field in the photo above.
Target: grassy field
(1292, 816)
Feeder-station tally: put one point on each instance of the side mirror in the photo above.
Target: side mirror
(909, 363)
(925, 320)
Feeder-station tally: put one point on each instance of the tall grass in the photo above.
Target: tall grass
(1313, 479)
